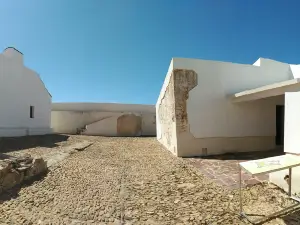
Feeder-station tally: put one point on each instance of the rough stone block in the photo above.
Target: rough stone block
(39, 166)
(13, 171)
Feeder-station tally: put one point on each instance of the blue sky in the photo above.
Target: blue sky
(120, 50)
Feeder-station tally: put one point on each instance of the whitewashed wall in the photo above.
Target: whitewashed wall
(291, 141)
(69, 122)
(235, 127)
(210, 111)
(20, 88)
(104, 127)
(295, 70)
(101, 107)
(214, 121)
(292, 123)
(99, 118)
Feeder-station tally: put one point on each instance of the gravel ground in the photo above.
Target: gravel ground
(132, 181)
(38, 146)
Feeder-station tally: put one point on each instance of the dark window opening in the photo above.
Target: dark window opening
(280, 125)
(31, 111)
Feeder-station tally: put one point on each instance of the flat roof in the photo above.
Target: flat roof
(267, 91)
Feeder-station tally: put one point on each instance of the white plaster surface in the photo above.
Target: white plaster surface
(212, 114)
(105, 127)
(267, 91)
(295, 70)
(292, 123)
(102, 107)
(98, 118)
(12, 132)
(20, 88)
(257, 62)
(69, 122)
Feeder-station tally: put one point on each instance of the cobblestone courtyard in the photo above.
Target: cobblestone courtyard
(131, 181)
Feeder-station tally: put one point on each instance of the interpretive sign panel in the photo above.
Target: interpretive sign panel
(271, 164)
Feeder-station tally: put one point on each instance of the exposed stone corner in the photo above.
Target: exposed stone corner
(184, 82)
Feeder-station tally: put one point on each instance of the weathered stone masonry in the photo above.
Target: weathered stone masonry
(184, 82)
(172, 111)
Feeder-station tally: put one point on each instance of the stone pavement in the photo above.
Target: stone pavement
(224, 169)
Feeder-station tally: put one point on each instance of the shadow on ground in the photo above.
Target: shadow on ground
(13, 193)
(10, 144)
(290, 217)
(245, 155)
(5, 156)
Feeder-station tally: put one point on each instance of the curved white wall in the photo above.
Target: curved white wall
(105, 127)
(97, 118)
(102, 107)
(69, 122)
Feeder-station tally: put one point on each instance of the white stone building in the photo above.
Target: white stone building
(209, 107)
(105, 119)
(25, 101)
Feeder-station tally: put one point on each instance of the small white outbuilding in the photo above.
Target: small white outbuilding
(25, 101)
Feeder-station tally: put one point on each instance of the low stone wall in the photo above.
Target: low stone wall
(14, 171)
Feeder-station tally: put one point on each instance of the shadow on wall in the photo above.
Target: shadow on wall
(9, 144)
